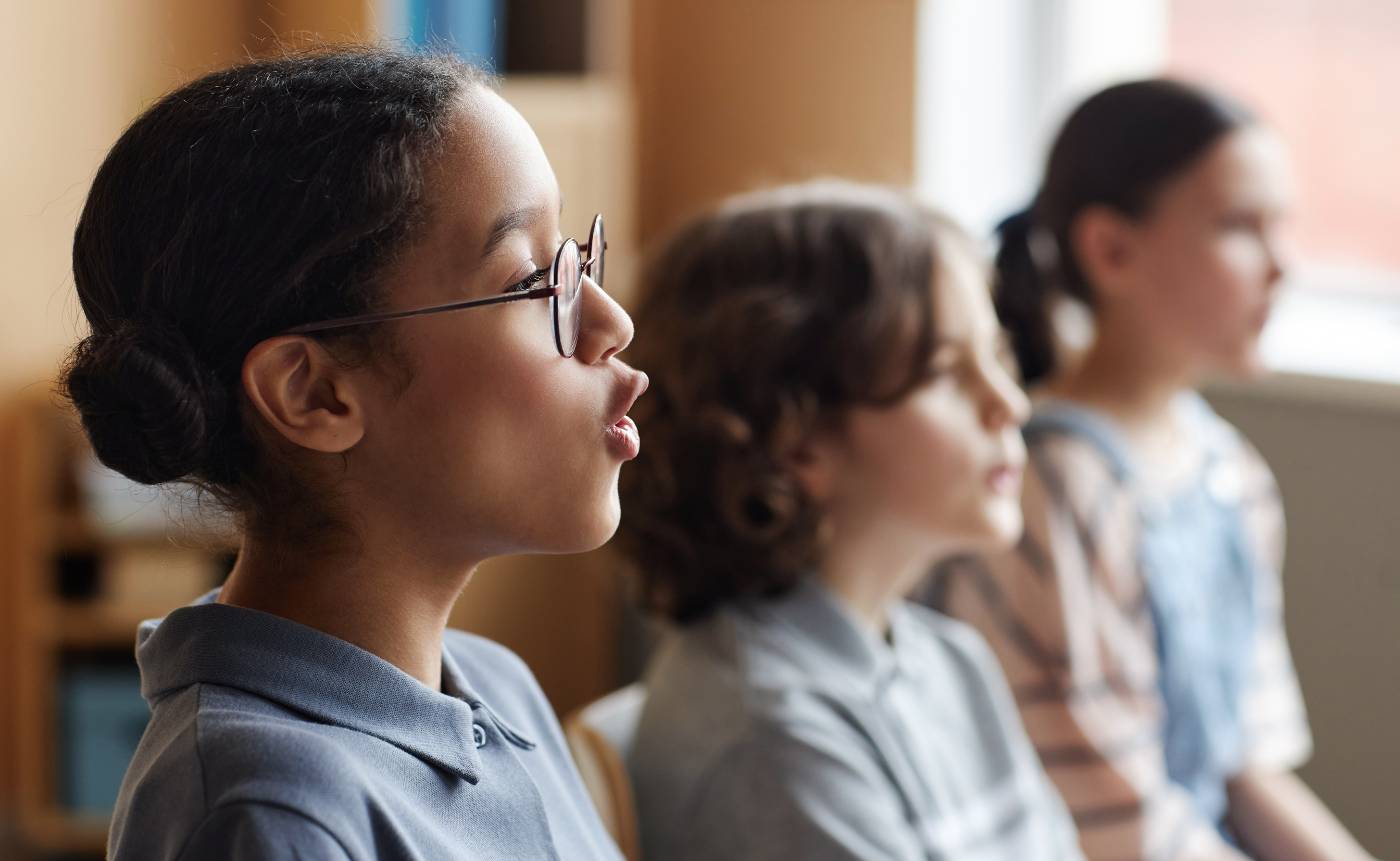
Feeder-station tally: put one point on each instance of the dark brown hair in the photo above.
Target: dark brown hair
(761, 322)
(1117, 149)
(251, 200)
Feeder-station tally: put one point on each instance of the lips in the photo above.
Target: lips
(1005, 479)
(626, 395)
(624, 439)
(621, 432)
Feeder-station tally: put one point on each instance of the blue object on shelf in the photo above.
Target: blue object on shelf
(102, 716)
(473, 29)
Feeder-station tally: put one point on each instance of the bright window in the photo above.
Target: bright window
(1324, 74)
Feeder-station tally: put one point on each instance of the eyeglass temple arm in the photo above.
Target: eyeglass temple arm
(364, 319)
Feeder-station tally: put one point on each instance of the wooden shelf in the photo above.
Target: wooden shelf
(135, 579)
(74, 533)
(100, 626)
(56, 830)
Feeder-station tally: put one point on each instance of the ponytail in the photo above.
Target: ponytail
(1022, 295)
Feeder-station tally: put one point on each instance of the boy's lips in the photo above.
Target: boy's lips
(1005, 479)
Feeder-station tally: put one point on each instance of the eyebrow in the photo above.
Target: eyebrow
(509, 222)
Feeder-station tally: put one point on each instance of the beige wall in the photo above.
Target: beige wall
(75, 73)
(733, 94)
(1333, 450)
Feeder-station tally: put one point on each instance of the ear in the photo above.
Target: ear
(815, 464)
(1104, 246)
(304, 394)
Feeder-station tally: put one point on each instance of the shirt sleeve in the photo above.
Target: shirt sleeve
(800, 792)
(1276, 733)
(249, 831)
(1066, 614)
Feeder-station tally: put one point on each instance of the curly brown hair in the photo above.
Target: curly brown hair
(761, 322)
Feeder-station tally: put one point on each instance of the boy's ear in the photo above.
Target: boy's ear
(304, 394)
(814, 462)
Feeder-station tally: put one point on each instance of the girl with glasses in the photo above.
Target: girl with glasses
(1140, 620)
(331, 291)
(832, 412)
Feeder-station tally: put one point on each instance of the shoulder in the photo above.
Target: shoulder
(957, 655)
(1228, 443)
(265, 831)
(251, 750)
(949, 636)
(1070, 468)
(478, 654)
(717, 691)
(209, 749)
(695, 697)
(697, 772)
(736, 666)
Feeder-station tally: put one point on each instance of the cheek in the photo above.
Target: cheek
(485, 424)
(1210, 282)
(921, 456)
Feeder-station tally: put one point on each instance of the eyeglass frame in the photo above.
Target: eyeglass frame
(549, 291)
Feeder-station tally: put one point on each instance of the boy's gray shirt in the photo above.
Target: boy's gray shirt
(785, 729)
(272, 740)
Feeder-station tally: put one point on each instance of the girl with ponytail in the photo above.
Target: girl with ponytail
(1140, 619)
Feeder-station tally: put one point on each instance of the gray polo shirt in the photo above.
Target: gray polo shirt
(271, 740)
(785, 729)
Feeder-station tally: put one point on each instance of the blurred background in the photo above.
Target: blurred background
(650, 109)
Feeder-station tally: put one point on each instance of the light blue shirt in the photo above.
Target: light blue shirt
(272, 740)
(786, 729)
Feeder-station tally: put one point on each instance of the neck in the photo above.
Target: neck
(1123, 375)
(870, 568)
(392, 608)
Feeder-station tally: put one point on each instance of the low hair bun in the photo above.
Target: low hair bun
(149, 406)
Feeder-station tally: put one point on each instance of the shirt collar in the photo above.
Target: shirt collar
(834, 646)
(314, 673)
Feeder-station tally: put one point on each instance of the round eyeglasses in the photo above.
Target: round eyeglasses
(564, 290)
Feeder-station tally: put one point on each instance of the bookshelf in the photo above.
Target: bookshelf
(70, 611)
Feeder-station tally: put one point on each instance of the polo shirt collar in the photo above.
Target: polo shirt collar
(838, 649)
(316, 674)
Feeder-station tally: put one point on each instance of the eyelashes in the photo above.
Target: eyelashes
(528, 281)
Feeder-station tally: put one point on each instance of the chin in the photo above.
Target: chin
(1252, 366)
(996, 530)
(592, 527)
(1245, 362)
(1004, 524)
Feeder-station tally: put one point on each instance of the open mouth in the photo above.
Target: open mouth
(623, 438)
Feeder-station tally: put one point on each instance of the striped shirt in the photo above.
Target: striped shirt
(787, 729)
(1143, 637)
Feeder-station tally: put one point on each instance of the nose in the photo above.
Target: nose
(605, 330)
(1278, 264)
(1278, 256)
(1004, 402)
